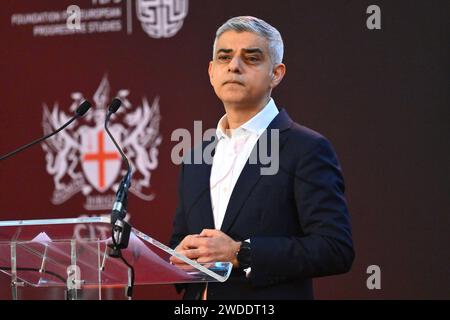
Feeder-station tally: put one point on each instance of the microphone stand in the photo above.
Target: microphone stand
(121, 230)
(81, 110)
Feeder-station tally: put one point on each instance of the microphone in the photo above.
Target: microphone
(81, 110)
(114, 106)
(121, 229)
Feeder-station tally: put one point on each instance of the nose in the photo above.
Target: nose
(235, 65)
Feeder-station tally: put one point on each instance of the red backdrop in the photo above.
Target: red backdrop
(380, 96)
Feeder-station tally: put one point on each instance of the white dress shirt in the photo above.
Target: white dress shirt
(231, 154)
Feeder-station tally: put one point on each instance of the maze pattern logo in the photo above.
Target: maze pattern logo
(161, 18)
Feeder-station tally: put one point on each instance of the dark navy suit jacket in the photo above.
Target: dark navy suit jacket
(297, 219)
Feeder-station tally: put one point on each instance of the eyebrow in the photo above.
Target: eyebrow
(224, 50)
(246, 50)
(253, 50)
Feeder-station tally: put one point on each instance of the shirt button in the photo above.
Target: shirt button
(225, 189)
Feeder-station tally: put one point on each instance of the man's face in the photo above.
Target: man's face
(242, 72)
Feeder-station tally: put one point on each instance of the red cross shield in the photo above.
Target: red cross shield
(100, 160)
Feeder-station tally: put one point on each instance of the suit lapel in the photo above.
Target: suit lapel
(204, 200)
(251, 173)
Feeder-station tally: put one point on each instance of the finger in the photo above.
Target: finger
(192, 253)
(205, 259)
(179, 263)
(186, 243)
(198, 242)
(175, 260)
(209, 232)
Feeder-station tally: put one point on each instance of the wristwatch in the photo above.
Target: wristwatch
(244, 255)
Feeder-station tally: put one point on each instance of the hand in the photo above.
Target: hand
(208, 246)
(182, 247)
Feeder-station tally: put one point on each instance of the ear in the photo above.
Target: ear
(278, 73)
(210, 71)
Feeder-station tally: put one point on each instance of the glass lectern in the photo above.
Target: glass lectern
(69, 259)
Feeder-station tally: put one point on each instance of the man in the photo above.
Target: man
(279, 230)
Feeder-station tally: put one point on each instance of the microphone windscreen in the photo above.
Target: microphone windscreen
(83, 108)
(114, 105)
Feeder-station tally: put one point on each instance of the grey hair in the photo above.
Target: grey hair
(259, 27)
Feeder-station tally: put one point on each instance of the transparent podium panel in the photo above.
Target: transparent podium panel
(71, 259)
(66, 264)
